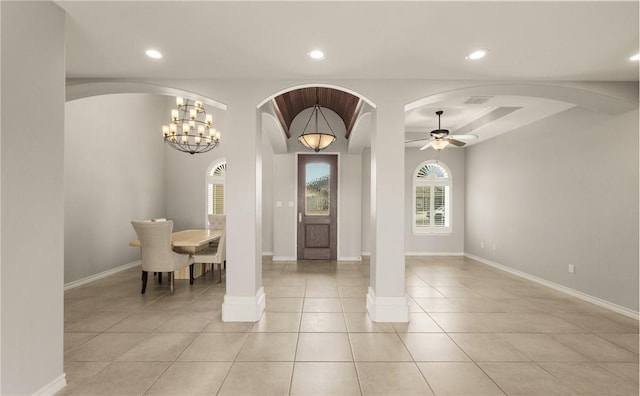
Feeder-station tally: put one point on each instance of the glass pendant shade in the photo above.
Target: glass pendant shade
(316, 140)
(439, 144)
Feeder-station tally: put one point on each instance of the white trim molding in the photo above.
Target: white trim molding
(563, 289)
(53, 387)
(243, 309)
(348, 258)
(285, 258)
(387, 309)
(103, 274)
(267, 254)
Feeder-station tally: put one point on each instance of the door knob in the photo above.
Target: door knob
(299, 217)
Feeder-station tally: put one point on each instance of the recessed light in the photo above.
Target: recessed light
(155, 54)
(477, 54)
(316, 54)
(636, 57)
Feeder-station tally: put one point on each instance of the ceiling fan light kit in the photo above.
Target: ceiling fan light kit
(439, 144)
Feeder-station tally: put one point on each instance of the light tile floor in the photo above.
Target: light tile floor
(474, 330)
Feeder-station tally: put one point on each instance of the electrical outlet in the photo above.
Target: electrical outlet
(481, 245)
(572, 268)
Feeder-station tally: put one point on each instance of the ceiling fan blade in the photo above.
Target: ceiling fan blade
(455, 142)
(426, 145)
(415, 140)
(464, 137)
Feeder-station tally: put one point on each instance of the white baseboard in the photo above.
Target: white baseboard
(434, 253)
(387, 309)
(267, 253)
(243, 309)
(365, 254)
(285, 258)
(347, 258)
(564, 289)
(291, 258)
(103, 274)
(53, 387)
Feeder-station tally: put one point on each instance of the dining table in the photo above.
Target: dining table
(190, 242)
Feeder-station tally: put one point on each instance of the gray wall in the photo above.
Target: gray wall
(186, 177)
(421, 244)
(561, 191)
(114, 173)
(452, 243)
(32, 197)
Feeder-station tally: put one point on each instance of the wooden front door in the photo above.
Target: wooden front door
(317, 206)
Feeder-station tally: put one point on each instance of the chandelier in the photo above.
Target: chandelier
(191, 129)
(317, 141)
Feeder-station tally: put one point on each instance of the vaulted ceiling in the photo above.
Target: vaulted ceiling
(290, 104)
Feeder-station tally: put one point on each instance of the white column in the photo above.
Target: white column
(245, 299)
(386, 298)
(32, 205)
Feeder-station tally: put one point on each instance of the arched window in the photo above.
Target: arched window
(216, 176)
(432, 198)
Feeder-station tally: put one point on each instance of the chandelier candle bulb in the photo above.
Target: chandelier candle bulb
(200, 130)
(197, 140)
(193, 113)
(185, 128)
(180, 101)
(198, 106)
(192, 125)
(165, 130)
(208, 120)
(174, 115)
(173, 128)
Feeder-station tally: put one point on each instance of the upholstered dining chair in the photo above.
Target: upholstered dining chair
(215, 253)
(157, 254)
(217, 222)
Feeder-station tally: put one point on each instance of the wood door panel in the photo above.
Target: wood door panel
(317, 236)
(317, 254)
(317, 222)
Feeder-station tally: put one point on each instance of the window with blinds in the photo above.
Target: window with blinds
(432, 198)
(215, 187)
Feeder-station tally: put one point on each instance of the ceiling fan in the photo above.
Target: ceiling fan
(440, 138)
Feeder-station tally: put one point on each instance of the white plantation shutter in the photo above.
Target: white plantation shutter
(432, 198)
(216, 178)
(218, 199)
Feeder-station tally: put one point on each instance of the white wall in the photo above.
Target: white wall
(114, 173)
(561, 191)
(416, 244)
(32, 203)
(267, 196)
(349, 191)
(365, 213)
